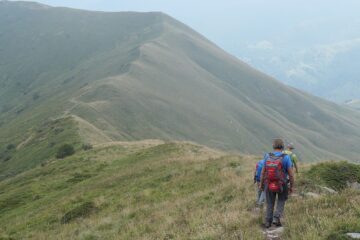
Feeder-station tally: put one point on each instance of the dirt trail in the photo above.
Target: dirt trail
(273, 233)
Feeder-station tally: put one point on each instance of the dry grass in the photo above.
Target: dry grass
(89, 133)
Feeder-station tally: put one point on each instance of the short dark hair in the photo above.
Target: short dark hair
(278, 143)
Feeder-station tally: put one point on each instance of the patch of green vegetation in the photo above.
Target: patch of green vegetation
(79, 177)
(338, 236)
(39, 145)
(65, 151)
(328, 217)
(341, 231)
(87, 146)
(7, 153)
(14, 200)
(335, 175)
(6, 238)
(10, 147)
(234, 164)
(83, 210)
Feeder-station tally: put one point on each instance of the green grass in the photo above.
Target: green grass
(82, 211)
(158, 191)
(335, 175)
(340, 231)
(330, 216)
(39, 145)
(164, 191)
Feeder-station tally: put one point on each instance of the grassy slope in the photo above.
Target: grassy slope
(37, 144)
(203, 94)
(47, 63)
(154, 190)
(201, 87)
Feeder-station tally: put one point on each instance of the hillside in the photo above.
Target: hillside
(157, 190)
(131, 76)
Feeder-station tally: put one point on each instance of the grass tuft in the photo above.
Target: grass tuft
(81, 211)
(335, 175)
(79, 177)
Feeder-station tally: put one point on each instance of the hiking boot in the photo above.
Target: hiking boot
(277, 222)
(267, 224)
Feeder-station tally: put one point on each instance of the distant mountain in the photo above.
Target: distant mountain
(328, 70)
(355, 103)
(78, 76)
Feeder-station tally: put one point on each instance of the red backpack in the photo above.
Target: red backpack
(275, 176)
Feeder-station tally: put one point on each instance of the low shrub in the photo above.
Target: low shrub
(65, 151)
(79, 177)
(87, 146)
(10, 146)
(81, 211)
(334, 174)
(7, 158)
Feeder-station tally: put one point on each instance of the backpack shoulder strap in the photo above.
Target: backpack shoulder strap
(266, 157)
(282, 161)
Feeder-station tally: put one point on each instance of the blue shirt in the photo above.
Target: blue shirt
(287, 163)
(259, 167)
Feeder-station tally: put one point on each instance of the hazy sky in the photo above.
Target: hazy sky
(233, 24)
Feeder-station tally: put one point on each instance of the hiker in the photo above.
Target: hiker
(260, 196)
(294, 159)
(274, 182)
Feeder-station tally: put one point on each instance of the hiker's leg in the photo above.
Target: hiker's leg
(280, 206)
(270, 201)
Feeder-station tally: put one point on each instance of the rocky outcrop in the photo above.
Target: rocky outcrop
(353, 235)
(354, 185)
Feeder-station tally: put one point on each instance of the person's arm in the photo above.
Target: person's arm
(262, 179)
(295, 158)
(291, 178)
(255, 176)
(296, 168)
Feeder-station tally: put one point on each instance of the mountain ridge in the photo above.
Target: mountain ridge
(134, 76)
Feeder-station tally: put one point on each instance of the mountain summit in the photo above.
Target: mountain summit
(132, 76)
